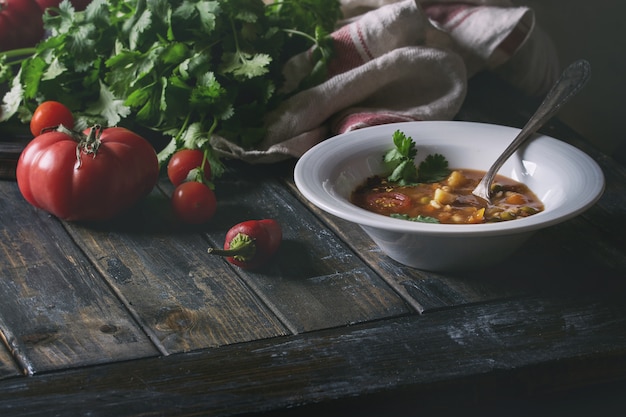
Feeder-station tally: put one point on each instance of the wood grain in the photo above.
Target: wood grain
(8, 367)
(183, 298)
(316, 281)
(56, 310)
(492, 351)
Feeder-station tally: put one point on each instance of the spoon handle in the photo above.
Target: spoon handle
(574, 77)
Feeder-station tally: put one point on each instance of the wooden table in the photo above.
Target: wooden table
(133, 318)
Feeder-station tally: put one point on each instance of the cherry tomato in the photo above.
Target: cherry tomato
(194, 202)
(50, 114)
(388, 202)
(96, 184)
(183, 161)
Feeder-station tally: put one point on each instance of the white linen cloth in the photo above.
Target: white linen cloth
(406, 60)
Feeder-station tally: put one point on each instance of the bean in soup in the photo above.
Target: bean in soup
(449, 201)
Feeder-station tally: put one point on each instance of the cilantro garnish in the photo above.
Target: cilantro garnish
(434, 168)
(184, 68)
(400, 161)
(420, 218)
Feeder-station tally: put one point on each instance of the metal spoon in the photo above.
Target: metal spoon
(571, 81)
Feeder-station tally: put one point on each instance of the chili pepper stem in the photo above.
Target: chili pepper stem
(242, 248)
(234, 253)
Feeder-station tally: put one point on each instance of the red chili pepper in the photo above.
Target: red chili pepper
(251, 244)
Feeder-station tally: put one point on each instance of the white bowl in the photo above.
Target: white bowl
(566, 179)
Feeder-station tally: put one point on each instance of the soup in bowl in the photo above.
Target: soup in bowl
(566, 180)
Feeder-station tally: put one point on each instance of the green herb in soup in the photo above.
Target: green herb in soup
(434, 194)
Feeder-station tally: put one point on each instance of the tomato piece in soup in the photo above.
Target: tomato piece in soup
(387, 202)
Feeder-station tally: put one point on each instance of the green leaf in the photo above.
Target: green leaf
(31, 76)
(11, 100)
(138, 98)
(207, 11)
(97, 12)
(434, 168)
(195, 137)
(175, 91)
(81, 45)
(6, 73)
(174, 53)
(62, 21)
(141, 25)
(166, 153)
(55, 69)
(245, 65)
(111, 109)
(206, 93)
(420, 218)
(400, 159)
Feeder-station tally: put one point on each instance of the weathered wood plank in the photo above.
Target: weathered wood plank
(608, 216)
(315, 281)
(8, 367)
(507, 350)
(12, 140)
(56, 310)
(183, 297)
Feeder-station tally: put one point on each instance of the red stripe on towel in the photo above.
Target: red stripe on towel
(348, 54)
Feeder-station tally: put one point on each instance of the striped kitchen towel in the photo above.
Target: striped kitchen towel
(398, 61)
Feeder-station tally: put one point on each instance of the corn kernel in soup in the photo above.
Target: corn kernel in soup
(449, 201)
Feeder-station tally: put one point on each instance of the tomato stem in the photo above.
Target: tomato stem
(88, 144)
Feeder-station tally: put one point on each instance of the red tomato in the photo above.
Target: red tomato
(184, 161)
(385, 203)
(122, 170)
(21, 24)
(50, 114)
(194, 202)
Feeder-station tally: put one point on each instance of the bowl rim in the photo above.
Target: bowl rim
(318, 194)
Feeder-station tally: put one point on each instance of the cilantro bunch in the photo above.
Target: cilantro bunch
(400, 161)
(183, 68)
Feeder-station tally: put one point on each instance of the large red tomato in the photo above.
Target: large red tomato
(92, 185)
(21, 24)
